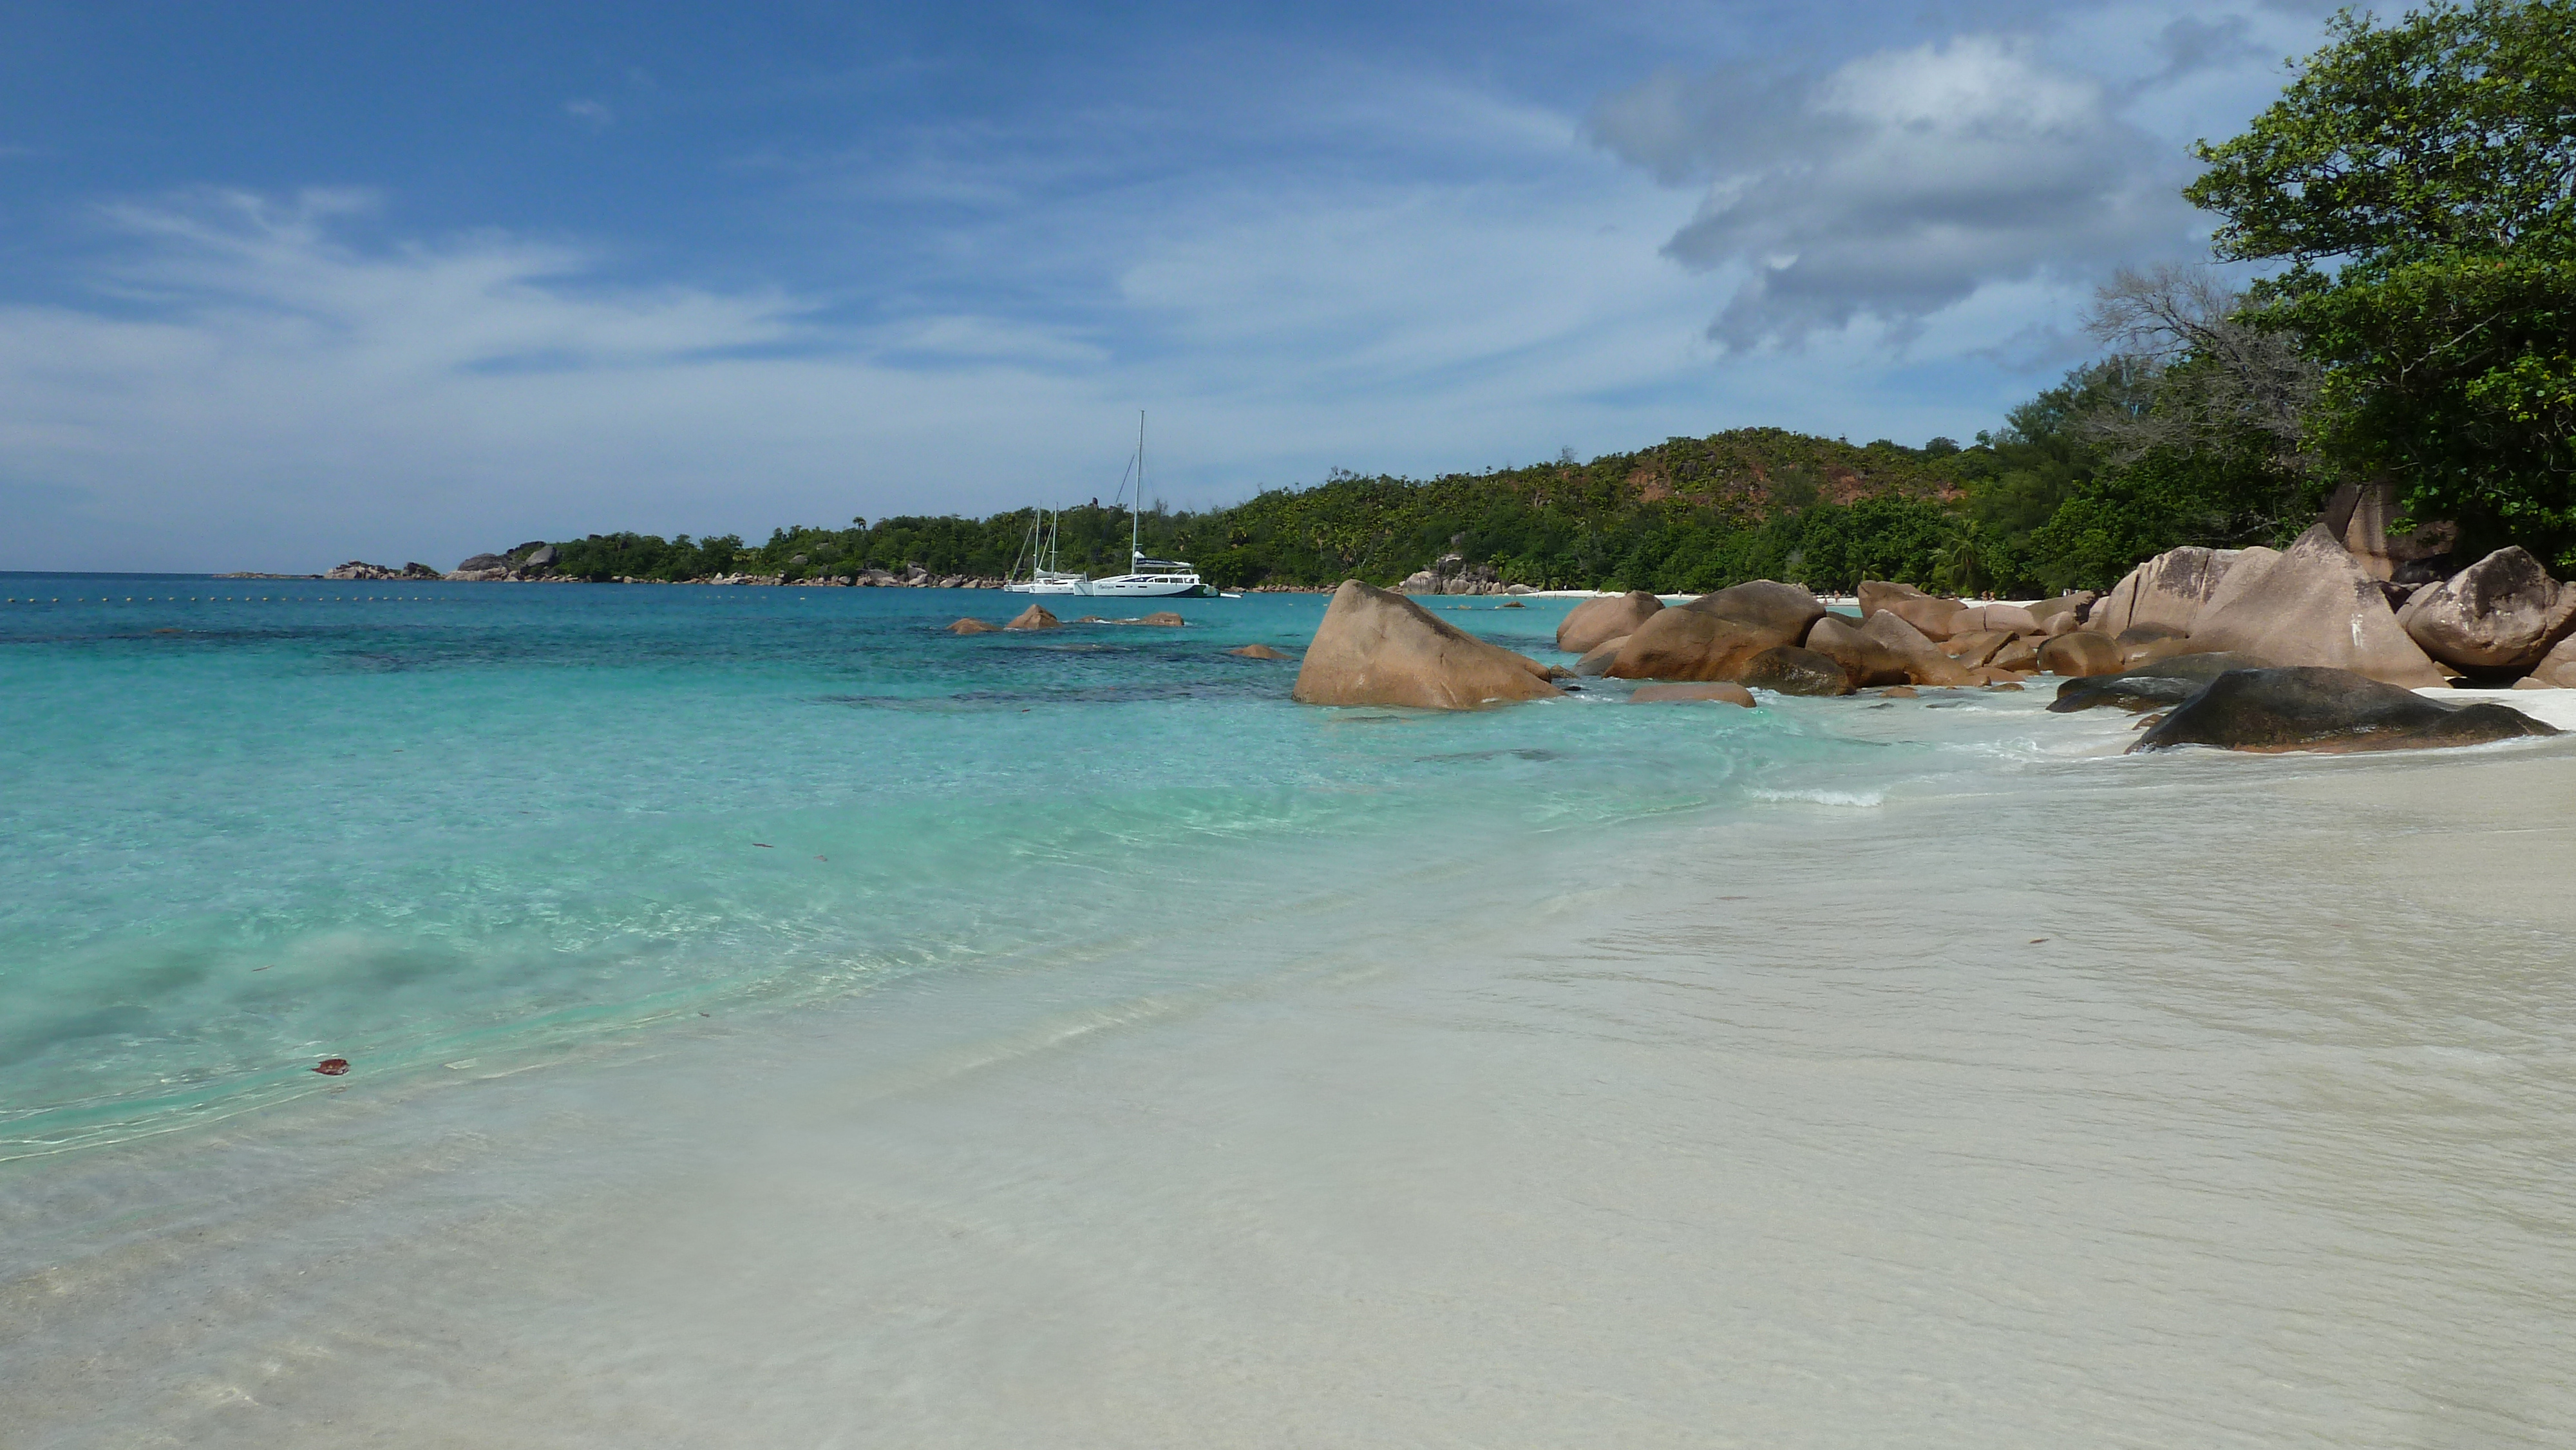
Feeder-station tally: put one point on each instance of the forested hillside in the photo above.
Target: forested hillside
(1685, 514)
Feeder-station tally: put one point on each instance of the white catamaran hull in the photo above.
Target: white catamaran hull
(1151, 586)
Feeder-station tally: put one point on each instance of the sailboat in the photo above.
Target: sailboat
(1149, 578)
(1041, 551)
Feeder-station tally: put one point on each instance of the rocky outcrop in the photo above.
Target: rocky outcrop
(361, 569)
(1379, 648)
(2144, 687)
(1788, 670)
(1036, 616)
(2169, 590)
(1164, 619)
(2312, 708)
(1785, 610)
(2081, 653)
(1924, 662)
(1595, 620)
(1257, 652)
(2498, 617)
(973, 626)
(1866, 661)
(1931, 616)
(1719, 691)
(2310, 605)
(1452, 574)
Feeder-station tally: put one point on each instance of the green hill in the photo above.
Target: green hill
(1689, 513)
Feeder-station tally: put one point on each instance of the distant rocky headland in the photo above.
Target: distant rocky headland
(538, 563)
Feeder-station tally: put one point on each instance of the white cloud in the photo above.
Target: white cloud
(1903, 181)
(594, 114)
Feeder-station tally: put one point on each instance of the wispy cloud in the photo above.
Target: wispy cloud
(592, 114)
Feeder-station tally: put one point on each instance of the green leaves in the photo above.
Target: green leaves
(2420, 180)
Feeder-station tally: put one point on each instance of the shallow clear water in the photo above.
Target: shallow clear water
(250, 824)
(1101, 1050)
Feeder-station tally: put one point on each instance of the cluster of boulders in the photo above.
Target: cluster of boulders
(1452, 574)
(528, 562)
(361, 569)
(913, 576)
(1780, 637)
(2500, 620)
(2316, 646)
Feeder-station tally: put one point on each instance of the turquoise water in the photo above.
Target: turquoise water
(249, 824)
(1099, 1049)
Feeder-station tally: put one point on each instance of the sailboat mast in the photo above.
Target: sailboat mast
(1135, 520)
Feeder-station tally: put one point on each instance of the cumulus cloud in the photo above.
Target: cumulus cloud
(1899, 183)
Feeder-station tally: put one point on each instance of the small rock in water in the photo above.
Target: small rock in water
(1036, 616)
(973, 626)
(1164, 618)
(332, 1066)
(1511, 604)
(1257, 652)
(1900, 692)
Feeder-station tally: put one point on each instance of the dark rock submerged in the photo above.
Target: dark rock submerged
(2321, 709)
(2165, 682)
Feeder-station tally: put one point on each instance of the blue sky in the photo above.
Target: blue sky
(282, 285)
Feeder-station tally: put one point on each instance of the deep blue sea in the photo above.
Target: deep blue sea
(246, 825)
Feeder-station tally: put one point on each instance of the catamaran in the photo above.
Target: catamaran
(1148, 578)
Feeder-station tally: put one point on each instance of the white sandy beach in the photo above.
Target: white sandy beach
(2192, 1101)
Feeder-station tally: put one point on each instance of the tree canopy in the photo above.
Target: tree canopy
(2419, 179)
